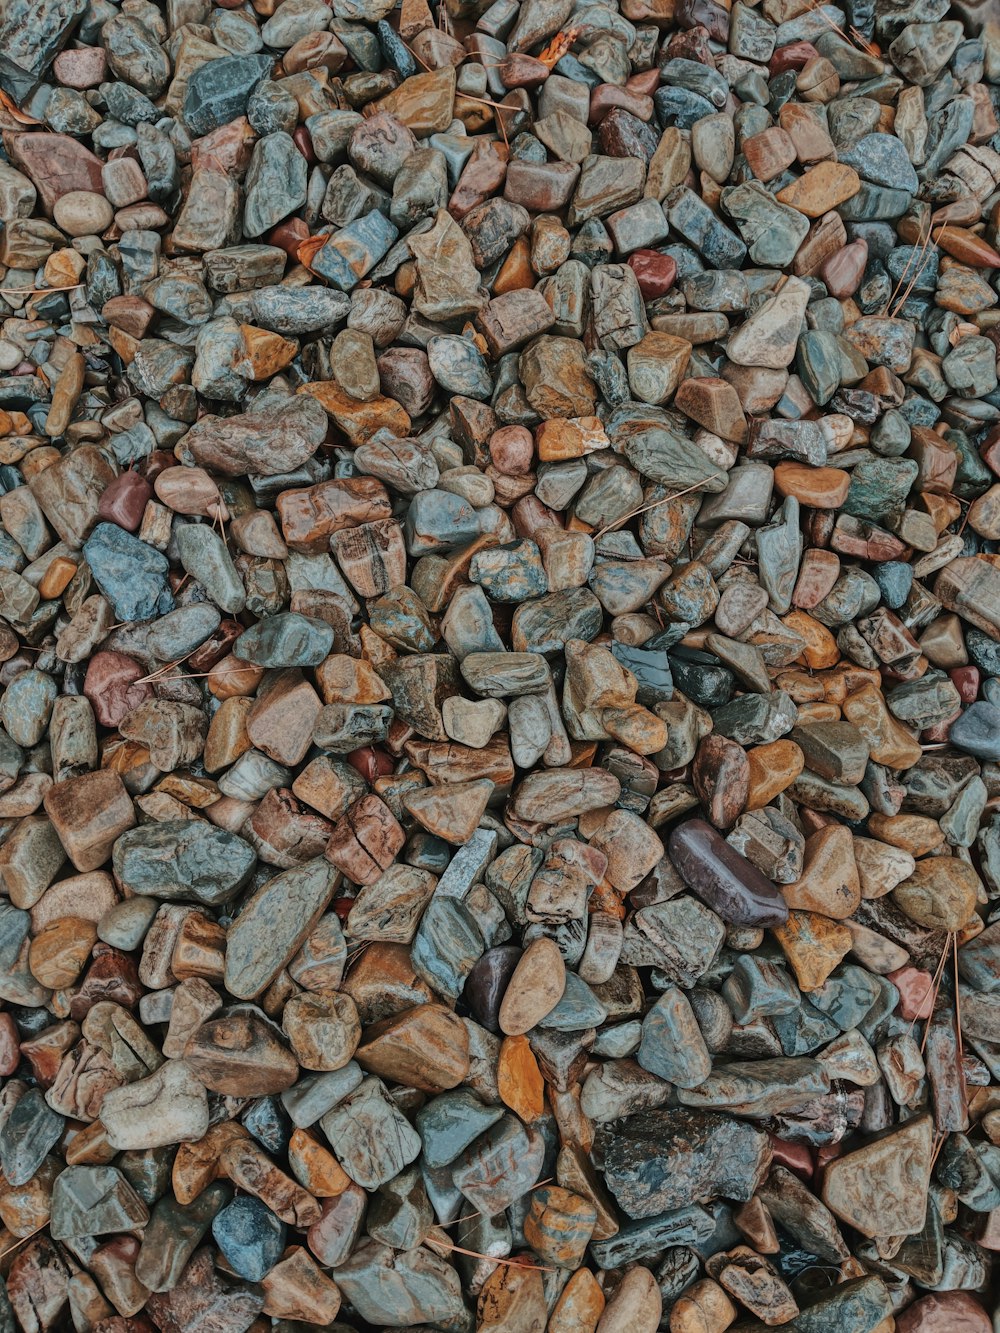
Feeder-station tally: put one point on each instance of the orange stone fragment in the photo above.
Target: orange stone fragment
(821, 188)
(579, 1308)
(519, 1080)
(813, 945)
(773, 768)
(315, 1167)
(821, 649)
(817, 487)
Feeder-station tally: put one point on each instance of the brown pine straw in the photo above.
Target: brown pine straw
(22, 1239)
(932, 990)
(644, 509)
(39, 291)
(438, 1244)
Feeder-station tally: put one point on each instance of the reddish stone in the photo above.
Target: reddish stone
(303, 142)
(111, 976)
(125, 500)
(371, 763)
(606, 97)
(289, 235)
(82, 68)
(111, 685)
(655, 273)
(704, 14)
(796, 1156)
(56, 165)
(916, 992)
(793, 56)
(945, 1312)
(966, 681)
(512, 450)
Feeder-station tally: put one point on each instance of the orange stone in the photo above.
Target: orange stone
(56, 578)
(359, 421)
(916, 834)
(821, 649)
(315, 1167)
(264, 353)
(580, 1306)
(773, 768)
(821, 188)
(817, 487)
(519, 1080)
(813, 945)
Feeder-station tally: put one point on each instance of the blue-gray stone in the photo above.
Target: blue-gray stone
(217, 92)
(131, 574)
(250, 1237)
(183, 861)
(285, 640)
(977, 731)
(881, 159)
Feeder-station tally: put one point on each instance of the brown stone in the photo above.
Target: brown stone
(424, 1047)
(242, 1056)
(365, 840)
(89, 813)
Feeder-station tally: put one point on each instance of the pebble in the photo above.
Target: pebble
(498, 670)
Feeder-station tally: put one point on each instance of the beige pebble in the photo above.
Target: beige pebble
(535, 988)
(82, 213)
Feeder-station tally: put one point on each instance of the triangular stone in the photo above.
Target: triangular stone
(881, 1189)
(769, 337)
(451, 811)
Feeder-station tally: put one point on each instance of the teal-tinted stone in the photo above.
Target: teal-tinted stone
(578, 1009)
(450, 1122)
(174, 1233)
(29, 1133)
(183, 861)
(881, 159)
(250, 1237)
(179, 633)
(351, 253)
(285, 640)
(925, 702)
(846, 996)
(545, 624)
(131, 574)
(205, 557)
(635, 1241)
(459, 367)
(672, 1045)
(27, 706)
(818, 361)
(977, 731)
(397, 1289)
(895, 579)
(446, 946)
(692, 218)
(879, 487)
(439, 521)
(681, 106)
(512, 572)
(947, 130)
(772, 232)
(700, 676)
(779, 554)
(875, 203)
(217, 92)
(804, 1029)
(401, 618)
(861, 1304)
(891, 435)
(960, 822)
(756, 719)
(93, 1201)
(984, 650)
(757, 988)
(970, 368)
